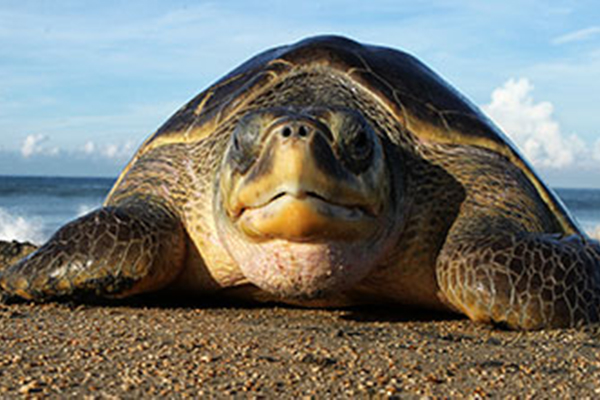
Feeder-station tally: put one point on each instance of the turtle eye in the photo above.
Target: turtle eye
(239, 141)
(242, 147)
(361, 145)
(361, 141)
(357, 149)
(236, 143)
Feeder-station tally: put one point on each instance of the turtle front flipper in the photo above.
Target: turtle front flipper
(134, 247)
(523, 281)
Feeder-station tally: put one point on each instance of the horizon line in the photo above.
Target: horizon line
(115, 177)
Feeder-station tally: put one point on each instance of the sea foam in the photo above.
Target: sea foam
(86, 208)
(595, 233)
(16, 227)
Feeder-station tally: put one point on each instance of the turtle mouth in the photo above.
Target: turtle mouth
(350, 211)
(303, 216)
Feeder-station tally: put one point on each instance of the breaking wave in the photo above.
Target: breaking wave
(85, 208)
(17, 227)
(595, 233)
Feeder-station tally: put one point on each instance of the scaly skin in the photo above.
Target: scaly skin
(112, 252)
(526, 281)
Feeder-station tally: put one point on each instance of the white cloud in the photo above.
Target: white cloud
(36, 144)
(31, 144)
(597, 151)
(121, 151)
(578, 35)
(533, 128)
(89, 147)
(111, 151)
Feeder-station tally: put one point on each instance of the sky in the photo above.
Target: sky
(82, 84)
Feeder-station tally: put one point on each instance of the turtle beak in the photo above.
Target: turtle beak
(298, 191)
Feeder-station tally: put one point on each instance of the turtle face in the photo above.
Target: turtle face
(304, 200)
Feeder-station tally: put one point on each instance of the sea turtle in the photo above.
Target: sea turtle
(330, 173)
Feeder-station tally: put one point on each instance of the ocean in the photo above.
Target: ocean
(33, 208)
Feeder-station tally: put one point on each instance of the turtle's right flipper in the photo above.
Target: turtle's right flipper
(136, 247)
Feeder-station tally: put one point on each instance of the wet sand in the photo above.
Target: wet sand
(140, 350)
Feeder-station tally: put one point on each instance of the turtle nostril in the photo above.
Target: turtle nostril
(302, 131)
(296, 130)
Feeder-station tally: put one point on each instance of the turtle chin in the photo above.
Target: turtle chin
(302, 270)
(305, 270)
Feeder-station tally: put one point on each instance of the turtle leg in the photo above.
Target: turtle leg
(136, 246)
(523, 281)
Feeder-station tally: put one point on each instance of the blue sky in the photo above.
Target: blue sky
(83, 83)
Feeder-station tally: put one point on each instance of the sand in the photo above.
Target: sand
(150, 347)
(133, 350)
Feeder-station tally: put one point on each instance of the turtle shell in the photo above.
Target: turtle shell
(427, 106)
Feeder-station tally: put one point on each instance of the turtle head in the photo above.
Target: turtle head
(303, 200)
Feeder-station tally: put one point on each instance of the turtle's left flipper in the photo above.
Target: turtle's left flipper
(524, 281)
(136, 246)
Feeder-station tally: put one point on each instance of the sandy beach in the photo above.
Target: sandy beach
(131, 350)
